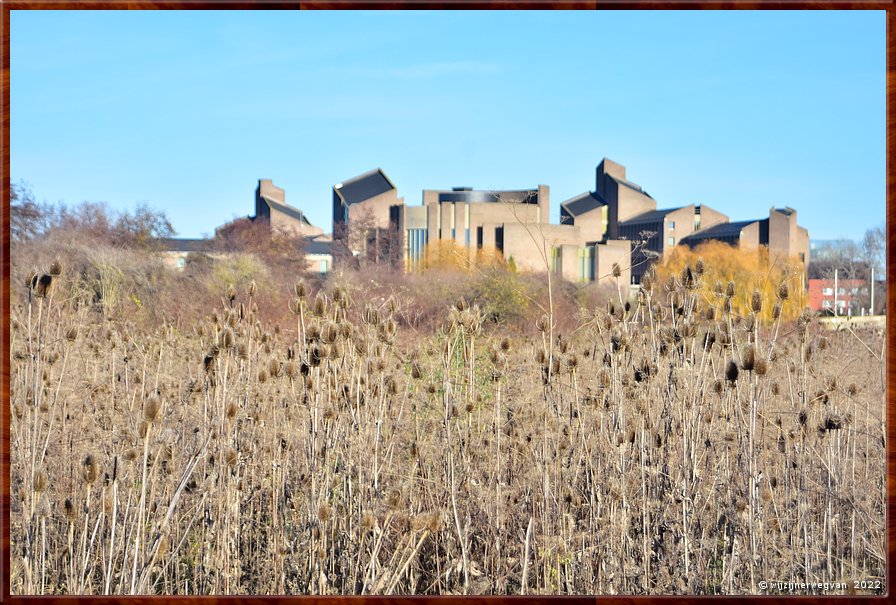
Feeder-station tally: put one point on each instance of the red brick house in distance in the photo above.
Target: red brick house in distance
(852, 296)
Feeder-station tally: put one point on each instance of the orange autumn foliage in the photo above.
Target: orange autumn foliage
(750, 270)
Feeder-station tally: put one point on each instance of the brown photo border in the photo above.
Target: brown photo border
(8, 5)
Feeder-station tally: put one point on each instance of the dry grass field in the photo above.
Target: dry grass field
(661, 445)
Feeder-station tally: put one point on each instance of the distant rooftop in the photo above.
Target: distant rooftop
(629, 184)
(584, 202)
(174, 244)
(653, 216)
(313, 246)
(286, 209)
(478, 196)
(363, 187)
(719, 231)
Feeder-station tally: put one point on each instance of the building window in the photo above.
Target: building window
(854, 291)
(181, 262)
(802, 257)
(828, 291)
(671, 241)
(468, 237)
(671, 225)
(697, 222)
(841, 291)
(826, 304)
(555, 260)
(324, 265)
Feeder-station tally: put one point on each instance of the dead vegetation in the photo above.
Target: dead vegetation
(664, 444)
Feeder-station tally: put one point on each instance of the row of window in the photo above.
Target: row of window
(842, 291)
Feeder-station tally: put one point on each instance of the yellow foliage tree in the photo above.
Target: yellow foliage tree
(750, 270)
(446, 254)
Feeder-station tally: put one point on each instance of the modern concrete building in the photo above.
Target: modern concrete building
(515, 225)
(272, 210)
(365, 213)
(270, 204)
(621, 209)
(779, 232)
(658, 231)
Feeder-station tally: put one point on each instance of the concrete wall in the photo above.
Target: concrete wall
(267, 188)
(531, 245)
(749, 237)
(631, 203)
(286, 224)
(591, 223)
(374, 212)
(613, 251)
(677, 224)
(569, 262)
(711, 218)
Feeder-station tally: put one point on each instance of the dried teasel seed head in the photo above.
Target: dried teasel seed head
(70, 512)
(226, 338)
(617, 270)
(688, 280)
(542, 324)
(756, 302)
(730, 289)
(323, 513)
(71, 334)
(783, 291)
(761, 367)
(748, 361)
(301, 289)
(253, 289)
(42, 289)
(647, 282)
(699, 267)
(320, 304)
(39, 482)
(151, 408)
(55, 268)
(89, 470)
(731, 371)
(329, 333)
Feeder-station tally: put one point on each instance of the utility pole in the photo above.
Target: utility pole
(835, 292)
(872, 291)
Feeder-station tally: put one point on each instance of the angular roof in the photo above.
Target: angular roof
(316, 246)
(653, 216)
(583, 203)
(629, 184)
(363, 187)
(719, 231)
(286, 209)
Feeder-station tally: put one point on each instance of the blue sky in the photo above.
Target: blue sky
(185, 111)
